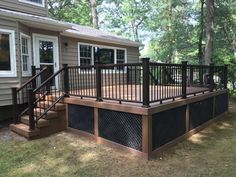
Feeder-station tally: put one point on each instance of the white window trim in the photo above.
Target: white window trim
(12, 72)
(102, 46)
(34, 3)
(26, 73)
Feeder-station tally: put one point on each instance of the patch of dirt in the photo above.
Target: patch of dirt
(7, 135)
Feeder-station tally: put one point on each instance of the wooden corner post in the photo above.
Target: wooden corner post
(147, 135)
(184, 79)
(146, 94)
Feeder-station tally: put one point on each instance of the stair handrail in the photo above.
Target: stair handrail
(32, 79)
(61, 94)
(16, 91)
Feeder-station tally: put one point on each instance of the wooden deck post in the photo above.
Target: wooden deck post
(66, 80)
(98, 83)
(184, 79)
(15, 105)
(211, 77)
(33, 72)
(225, 76)
(146, 92)
(31, 109)
(147, 135)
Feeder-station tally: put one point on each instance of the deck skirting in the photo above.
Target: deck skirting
(145, 131)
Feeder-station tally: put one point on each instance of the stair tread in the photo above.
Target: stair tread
(56, 107)
(49, 115)
(24, 130)
(41, 122)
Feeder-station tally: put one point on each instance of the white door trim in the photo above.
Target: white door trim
(53, 39)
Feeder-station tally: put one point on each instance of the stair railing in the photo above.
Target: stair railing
(47, 95)
(20, 95)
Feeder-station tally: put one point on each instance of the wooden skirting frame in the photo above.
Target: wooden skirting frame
(147, 149)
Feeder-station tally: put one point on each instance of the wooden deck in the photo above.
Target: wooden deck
(133, 93)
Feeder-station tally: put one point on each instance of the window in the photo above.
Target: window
(35, 2)
(7, 53)
(85, 55)
(25, 55)
(103, 55)
(93, 54)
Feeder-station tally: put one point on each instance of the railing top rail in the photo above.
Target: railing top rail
(106, 65)
(31, 79)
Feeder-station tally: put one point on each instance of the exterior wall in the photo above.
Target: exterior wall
(9, 82)
(69, 54)
(24, 7)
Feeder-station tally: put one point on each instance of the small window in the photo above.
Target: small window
(7, 53)
(35, 2)
(120, 56)
(25, 55)
(85, 55)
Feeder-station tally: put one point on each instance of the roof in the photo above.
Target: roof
(67, 29)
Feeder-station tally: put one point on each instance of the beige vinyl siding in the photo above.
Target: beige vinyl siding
(7, 83)
(24, 7)
(69, 54)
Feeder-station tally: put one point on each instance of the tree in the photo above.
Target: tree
(77, 11)
(125, 17)
(209, 31)
(93, 4)
(200, 34)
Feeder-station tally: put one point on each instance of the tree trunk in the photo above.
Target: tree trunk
(93, 5)
(200, 35)
(209, 32)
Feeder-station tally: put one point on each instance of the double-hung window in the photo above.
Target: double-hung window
(7, 53)
(25, 55)
(94, 54)
(34, 2)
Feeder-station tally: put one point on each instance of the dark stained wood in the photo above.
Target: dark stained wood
(147, 135)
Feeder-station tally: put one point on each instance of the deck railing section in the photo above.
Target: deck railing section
(145, 82)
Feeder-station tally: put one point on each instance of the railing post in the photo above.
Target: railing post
(225, 76)
(211, 77)
(146, 81)
(66, 80)
(15, 105)
(33, 72)
(184, 79)
(98, 83)
(31, 109)
(191, 75)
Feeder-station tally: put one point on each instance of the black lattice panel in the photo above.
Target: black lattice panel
(200, 112)
(122, 128)
(167, 126)
(81, 118)
(221, 104)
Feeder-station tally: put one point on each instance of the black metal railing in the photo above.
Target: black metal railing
(145, 82)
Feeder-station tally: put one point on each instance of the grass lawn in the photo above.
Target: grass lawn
(212, 152)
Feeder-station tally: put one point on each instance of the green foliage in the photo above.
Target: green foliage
(77, 11)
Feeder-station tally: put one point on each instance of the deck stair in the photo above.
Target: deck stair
(23, 128)
(44, 111)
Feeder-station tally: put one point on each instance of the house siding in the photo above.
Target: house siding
(7, 83)
(24, 7)
(69, 54)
